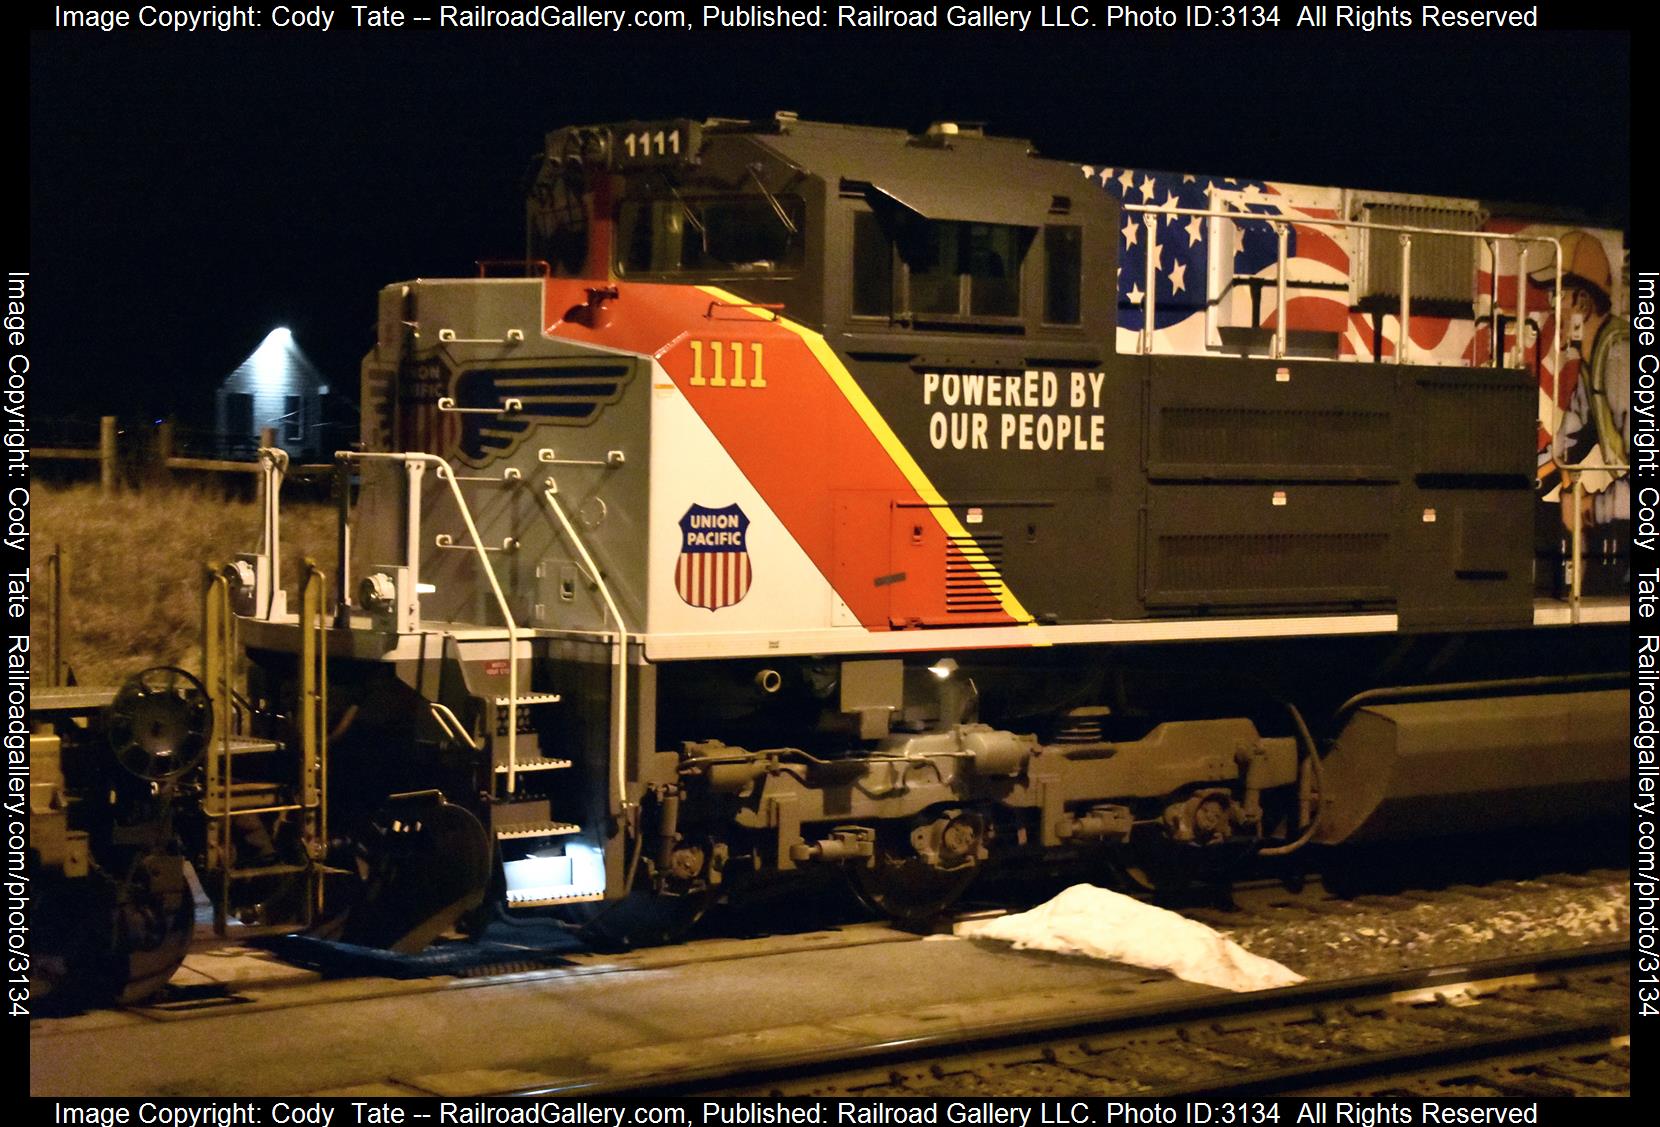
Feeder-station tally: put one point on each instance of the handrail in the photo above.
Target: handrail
(1578, 529)
(218, 644)
(444, 473)
(1281, 225)
(273, 461)
(452, 725)
(484, 264)
(619, 665)
(314, 712)
(508, 407)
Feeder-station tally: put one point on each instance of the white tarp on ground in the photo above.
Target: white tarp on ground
(1085, 920)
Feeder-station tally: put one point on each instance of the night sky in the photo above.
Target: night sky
(190, 192)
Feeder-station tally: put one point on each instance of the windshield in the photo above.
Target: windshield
(710, 234)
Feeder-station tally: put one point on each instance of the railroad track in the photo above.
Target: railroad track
(1263, 914)
(1522, 1026)
(665, 1015)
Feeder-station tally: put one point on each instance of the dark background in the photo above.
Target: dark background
(190, 192)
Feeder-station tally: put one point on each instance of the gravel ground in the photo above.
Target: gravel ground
(1323, 937)
(1378, 934)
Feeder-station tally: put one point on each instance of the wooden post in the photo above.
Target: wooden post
(54, 616)
(162, 451)
(267, 436)
(106, 455)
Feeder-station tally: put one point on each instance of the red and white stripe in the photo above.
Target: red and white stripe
(712, 579)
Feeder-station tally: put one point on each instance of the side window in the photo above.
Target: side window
(872, 267)
(994, 255)
(962, 271)
(1062, 275)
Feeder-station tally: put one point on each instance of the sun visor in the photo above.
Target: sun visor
(948, 200)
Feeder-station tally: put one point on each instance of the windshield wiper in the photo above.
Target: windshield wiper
(691, 217)
(777, 208)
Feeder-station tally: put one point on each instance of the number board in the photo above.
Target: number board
(644, 143)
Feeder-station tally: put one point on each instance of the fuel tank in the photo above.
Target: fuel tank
(1428, 768)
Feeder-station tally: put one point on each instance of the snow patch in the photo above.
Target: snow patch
(1085, 920)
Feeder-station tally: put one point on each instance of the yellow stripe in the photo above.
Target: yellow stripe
(873, 419)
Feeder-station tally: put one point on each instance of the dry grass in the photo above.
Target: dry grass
(133, 569)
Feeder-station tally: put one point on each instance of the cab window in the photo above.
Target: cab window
(936, 271)
(962, 270)
(690, 234)
(1062, 275)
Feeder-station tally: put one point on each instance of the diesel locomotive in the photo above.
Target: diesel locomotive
(815, 496)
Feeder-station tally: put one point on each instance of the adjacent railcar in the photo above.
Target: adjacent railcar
(830, 496)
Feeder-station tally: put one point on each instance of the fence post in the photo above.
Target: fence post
(54, 616)
(106, 455)
(268, 436)
(162, 451)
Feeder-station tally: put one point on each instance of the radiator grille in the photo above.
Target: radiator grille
(1250, 437)
(974, 574)
(1443, 267)
(1319, 563)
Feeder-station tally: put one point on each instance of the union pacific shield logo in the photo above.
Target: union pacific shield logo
(713, 568)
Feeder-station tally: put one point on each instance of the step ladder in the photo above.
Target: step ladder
(555, 868)
(249, 777)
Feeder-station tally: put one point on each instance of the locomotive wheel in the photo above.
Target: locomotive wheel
(155, 916)
(908, 890)
(904, 885)
(1168, 872)
(105, 941)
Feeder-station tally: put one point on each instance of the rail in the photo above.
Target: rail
(1281, 226)
(795, 1065)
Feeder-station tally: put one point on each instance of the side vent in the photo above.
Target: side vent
(1273, 567)
(1243, 438)
(974, 574)
(1443, 267)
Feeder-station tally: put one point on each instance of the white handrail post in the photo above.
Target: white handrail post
(1495, 337)
(411, 459)
(619, 665)
(1149, 299)
(448, 475)
(1282, 236)
(1521, 304)
(1577, 564)
(1556, 311)
(415, 472)
(1403, 347)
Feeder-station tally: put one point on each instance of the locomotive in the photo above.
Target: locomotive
(826, 497)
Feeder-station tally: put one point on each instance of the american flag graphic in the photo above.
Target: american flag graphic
(713, 570)
(1317, 258)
